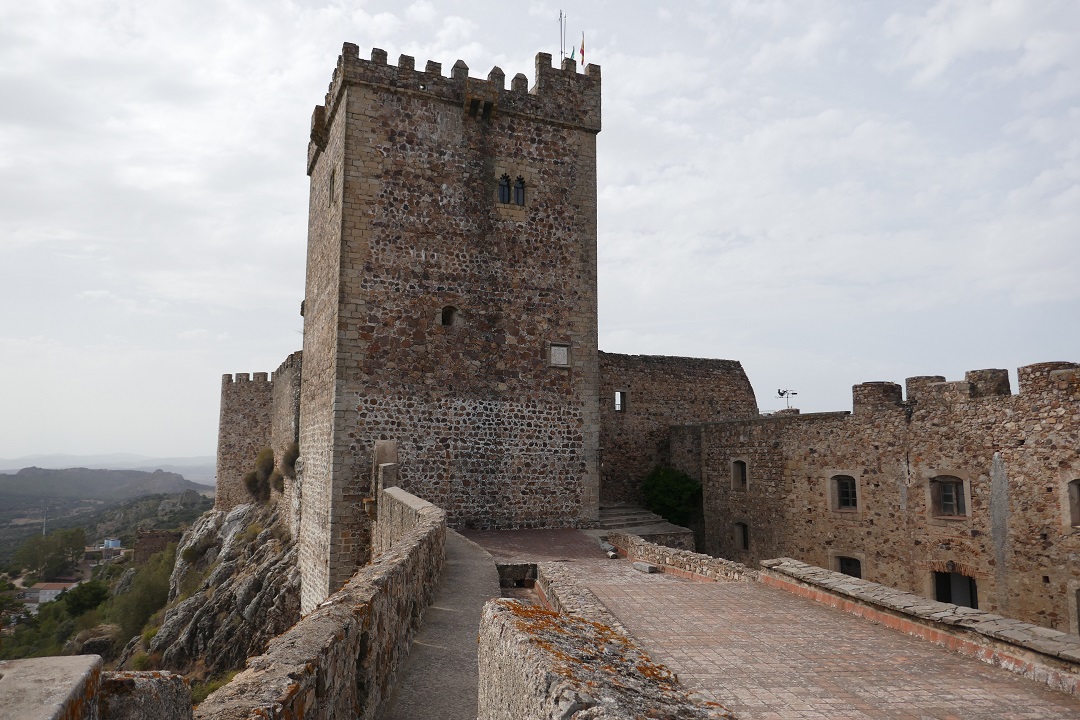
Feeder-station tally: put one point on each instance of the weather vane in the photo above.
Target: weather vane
(786, 395)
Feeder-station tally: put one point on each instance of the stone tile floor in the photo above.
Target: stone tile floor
(768, 654)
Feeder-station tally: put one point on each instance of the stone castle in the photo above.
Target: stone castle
(451, 309)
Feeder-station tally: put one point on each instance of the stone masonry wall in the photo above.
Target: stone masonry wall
(340, 660)
(243, 429)
(149, 542)
(285, 430)
(1014, 454)
(432, 308)
(659, 392)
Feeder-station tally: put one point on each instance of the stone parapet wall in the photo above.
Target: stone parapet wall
(659, 392)
(1038, 653)
(398, 513)
(340, 660)
(683, 563)
(75, 688)
(538, 664)
(559, 590)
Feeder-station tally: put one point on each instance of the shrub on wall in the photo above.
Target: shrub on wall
(673, 495)
(259, 481)
(289, 458)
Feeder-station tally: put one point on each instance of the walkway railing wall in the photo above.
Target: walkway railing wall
(340, 660)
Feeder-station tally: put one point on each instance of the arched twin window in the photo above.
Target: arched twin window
(516, 194)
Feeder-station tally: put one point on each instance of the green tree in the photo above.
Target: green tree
(85, 597)
(673, 495)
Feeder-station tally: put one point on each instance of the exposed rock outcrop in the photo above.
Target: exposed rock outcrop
(235, 586)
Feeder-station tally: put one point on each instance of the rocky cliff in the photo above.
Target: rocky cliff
(235, 586)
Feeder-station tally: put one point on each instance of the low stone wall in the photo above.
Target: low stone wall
(537, 664)
(398, 513)
(340, 660)
(680, 539)
(75, 688)
(558, 589)
(1038, 653)
(682, 563)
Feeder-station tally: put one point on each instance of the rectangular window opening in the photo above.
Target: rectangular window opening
(952, 587)
(739, 475)
(620, 400)
(849, 566)
(741, 532)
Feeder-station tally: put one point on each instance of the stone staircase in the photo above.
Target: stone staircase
(645, 524)
(617, 517)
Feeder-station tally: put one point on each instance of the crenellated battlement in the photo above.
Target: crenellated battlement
(241, 378)
(1037, 379)
(559, 95)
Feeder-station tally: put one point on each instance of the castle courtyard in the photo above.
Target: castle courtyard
(768, 654)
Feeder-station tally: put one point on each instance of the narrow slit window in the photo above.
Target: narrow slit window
(519, 191)
(1074, 503)
(739, 476)
(620, 400)
(332, 188)
(741, 536)
(504, 189)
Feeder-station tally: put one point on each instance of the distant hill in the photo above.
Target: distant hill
(70, 497)
(93, 484)
(122, 520)
(198, 468)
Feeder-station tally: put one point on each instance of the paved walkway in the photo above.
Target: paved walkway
(768, 654)
(440, 677)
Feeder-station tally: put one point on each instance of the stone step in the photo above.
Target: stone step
(614, 517)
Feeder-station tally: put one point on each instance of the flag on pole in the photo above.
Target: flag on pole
(582, 48)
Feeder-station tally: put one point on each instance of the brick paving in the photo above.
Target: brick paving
(768, 654)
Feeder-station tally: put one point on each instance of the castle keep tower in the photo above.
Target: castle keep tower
(451, 300)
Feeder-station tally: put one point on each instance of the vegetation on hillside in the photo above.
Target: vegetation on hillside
(99, 521)
(95, 609)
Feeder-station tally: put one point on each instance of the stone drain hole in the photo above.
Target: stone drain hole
(518, 581)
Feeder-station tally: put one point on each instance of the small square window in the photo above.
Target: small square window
(849, 566)
(947, 497)
(560, 355)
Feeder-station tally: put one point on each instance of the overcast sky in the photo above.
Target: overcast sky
(830, 191)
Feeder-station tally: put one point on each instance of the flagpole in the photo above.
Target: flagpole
(562, 38)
